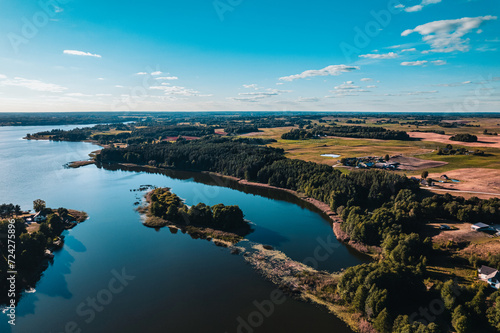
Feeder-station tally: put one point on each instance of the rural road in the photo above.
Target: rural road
(458, 191)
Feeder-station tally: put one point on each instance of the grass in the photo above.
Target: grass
(111, 132)
(465, 161)
(311, 150)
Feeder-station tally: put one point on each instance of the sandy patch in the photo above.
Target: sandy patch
(471, 179)
(492, 141)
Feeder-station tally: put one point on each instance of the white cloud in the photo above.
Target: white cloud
(366, 79)
(348, 85)
(390, 55)
(176, 90)
(77, 95)
(308, 100)
(414, 63)
(439, 62)
(369, 87)
(486, 49)
(141, 73)
(330, 70)
(81, 53)
(157, 73)
(422, 92)
(167, 78)
(119, 86)
(409, 50)
(251, 86)
(346, 89)
(446, 35)
(256, 96)
(100, 78)
(454, 84)
(31, 84)
(419, 7)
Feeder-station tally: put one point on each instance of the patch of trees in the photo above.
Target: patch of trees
(430, 131)
(77, 134)
(385, 290)
(449, 150)
(297, 134)
(355, 121)
(406, 213)
(8, 210)
(168, 206)
(485, 132)
(240, 128)
(464, 137)
(366, 132)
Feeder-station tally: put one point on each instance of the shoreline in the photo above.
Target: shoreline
(323, 207)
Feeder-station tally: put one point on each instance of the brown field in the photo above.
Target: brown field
(479, 243)
(491, 141)
(413, 163)
(479, 180)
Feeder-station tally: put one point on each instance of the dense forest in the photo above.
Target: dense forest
(366, 132)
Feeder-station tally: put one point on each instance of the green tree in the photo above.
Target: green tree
(459, 320)
(383, 323)
(375, 302)
(493, 312)
(55, 223)
(449, 293)
(39, 205)
(360, 298)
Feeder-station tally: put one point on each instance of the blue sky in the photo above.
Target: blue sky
(205, 55)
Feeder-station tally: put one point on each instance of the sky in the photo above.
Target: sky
(250, 55)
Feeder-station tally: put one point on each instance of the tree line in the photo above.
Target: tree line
(366, 132)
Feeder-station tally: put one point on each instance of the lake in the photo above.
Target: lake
(155, 281)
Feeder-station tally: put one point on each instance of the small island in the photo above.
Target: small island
(225, 225)
(34, 237)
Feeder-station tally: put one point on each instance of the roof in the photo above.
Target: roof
(486, 270)
(481, 225)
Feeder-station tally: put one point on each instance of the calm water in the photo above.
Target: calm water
(179, 284)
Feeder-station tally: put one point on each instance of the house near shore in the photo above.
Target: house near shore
(480, 227)
(490, 275)
(40, 217)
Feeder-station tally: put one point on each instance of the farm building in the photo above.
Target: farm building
(490, 275)
(480, 227)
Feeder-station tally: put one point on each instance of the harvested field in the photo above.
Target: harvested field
(471, 179)
(462, 233)
(491, 141)
(413, 163)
